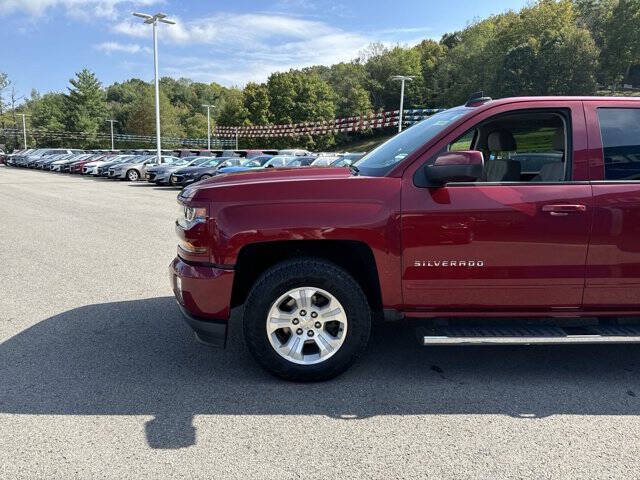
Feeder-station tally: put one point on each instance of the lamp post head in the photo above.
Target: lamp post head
(158, 17)
(402, 77)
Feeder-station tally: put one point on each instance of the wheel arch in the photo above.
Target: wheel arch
(355, 257)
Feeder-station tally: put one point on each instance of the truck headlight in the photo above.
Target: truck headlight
(188, 216)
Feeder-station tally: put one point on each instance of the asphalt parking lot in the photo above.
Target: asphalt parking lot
(99, 377)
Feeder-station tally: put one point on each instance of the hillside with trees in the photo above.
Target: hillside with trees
(552, 47)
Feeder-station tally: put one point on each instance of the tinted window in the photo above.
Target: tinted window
(620, 129)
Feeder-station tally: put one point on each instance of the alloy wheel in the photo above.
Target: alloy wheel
(306, 325)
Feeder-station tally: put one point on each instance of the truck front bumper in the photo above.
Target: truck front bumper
(203, 293)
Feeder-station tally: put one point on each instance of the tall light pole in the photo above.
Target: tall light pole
(401, 78)
(153, 20)
(208, 125)
(111, 121)
(24, 128)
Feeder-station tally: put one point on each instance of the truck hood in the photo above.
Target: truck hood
(262, 176)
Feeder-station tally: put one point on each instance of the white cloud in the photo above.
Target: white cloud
(74, 8)
(250, 46)
(111, 47)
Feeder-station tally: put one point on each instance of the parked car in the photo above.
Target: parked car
(300, 161)
(160, 174)
(278, 161)
(452, 222)
(295, 152)
(324, 160)
(188, 175)
(44, 162)
(61, 165)
(12, 158)
(342, 162)
(102, 170)
(30, 161)
(91, 167)
(136, 169)
(247, 164)
(78, 165)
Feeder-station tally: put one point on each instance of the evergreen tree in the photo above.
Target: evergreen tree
(86, 103)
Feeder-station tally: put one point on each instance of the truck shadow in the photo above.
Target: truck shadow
(138, 358)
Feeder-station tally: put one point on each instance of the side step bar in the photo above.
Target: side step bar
(531, 335)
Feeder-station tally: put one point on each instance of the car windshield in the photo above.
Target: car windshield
(211, 163)
(254, 162)
(199, 161)
(381, 160)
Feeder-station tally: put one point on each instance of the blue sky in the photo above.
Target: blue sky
(45, 41)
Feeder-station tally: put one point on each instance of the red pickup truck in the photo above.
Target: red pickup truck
(506, 221)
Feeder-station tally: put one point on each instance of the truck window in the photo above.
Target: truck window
(620, 130)
(522, 147)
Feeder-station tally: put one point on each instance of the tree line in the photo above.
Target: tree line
(551, 47)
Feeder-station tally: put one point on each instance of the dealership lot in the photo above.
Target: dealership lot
(99, 377)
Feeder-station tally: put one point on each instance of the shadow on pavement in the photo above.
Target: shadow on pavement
(138, 358)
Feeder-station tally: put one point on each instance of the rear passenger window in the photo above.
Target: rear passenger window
(620, 129)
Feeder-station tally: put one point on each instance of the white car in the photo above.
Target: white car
(91, 168)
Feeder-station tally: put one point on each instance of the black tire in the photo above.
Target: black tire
(129, 175)
(315, 273)
(205, 177)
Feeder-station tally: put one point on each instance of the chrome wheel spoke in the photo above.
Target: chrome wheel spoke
(279, 320)
(302, 296)
(327, 344)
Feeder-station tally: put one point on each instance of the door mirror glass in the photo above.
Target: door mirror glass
(462, 166)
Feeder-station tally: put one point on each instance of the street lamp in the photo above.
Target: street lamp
(208, 125)
(111, 121)
(24, 128)
(153, 20)
(401, 78)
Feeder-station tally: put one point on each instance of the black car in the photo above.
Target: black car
(188, 175)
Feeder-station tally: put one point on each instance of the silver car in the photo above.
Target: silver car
(137, 168)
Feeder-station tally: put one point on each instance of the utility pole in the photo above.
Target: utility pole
(401, 78)
(236, 139)
(208, 125)
(24, 128)
(153, 20)
(111, 121)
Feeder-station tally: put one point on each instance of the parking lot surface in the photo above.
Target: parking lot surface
(100, 378)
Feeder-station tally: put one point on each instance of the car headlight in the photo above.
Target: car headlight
(188, 216)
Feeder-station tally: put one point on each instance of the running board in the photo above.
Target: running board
(532, 335)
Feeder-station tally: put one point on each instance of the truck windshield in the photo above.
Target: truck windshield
(381, 160)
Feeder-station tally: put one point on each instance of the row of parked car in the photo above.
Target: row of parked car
(175, 168)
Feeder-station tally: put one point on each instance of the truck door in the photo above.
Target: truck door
(516, 239)
(613, 266)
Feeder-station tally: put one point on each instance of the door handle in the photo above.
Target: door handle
(563, 210)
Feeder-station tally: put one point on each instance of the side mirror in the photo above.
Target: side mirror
(462, 166)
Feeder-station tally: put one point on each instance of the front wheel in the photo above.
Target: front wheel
(306, 320)
(133, 175)
(205, 177)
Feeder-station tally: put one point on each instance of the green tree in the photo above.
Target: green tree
(256, 101)
(232, 111)
(195, 126)
(86, 103)
(348, 82)
(621, 41)
(282, 92)
(141, 115)
(384, 64)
